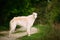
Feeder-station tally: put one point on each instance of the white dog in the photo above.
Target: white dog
(24, 21)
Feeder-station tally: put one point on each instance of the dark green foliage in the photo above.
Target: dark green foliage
(12, 8)
(47, 11)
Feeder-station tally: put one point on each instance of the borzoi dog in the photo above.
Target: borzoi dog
(23, 21)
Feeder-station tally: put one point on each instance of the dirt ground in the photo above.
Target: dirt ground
(16, 35)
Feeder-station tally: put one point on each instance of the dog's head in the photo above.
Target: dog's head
(34, 15)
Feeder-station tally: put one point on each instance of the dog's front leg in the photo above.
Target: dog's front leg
(28, 31)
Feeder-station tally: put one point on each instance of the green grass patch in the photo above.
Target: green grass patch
(45, 33)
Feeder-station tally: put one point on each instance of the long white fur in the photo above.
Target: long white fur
(24, 21)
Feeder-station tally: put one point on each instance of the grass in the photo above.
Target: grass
(45, 33)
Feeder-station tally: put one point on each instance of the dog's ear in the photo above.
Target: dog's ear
(34, 15)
